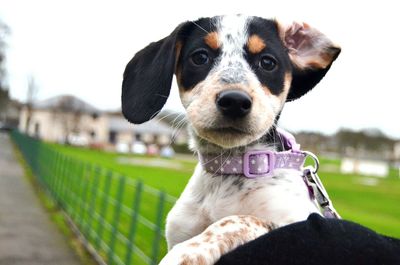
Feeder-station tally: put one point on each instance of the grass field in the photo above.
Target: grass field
(372, 202)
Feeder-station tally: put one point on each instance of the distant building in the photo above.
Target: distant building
(364, 167)
(64, 119)
(396, 151)
(153, 131)
(68, 119)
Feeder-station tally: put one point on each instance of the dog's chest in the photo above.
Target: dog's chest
(280, 199)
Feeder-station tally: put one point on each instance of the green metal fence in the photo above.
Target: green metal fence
(119, 220)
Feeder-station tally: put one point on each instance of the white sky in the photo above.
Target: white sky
(82, 47)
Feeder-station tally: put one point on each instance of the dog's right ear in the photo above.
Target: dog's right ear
(311, 54)
(148, 77)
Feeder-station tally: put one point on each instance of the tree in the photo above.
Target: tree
(4, 94)
(68, 112)
(368, 141)
(4, 99)
(30, 98)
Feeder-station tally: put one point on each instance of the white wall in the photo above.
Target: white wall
(364, 167)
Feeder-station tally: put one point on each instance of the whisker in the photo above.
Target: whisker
(200, 27)
(155, 114)
(160, 118)
(180, 125)
(161, 95)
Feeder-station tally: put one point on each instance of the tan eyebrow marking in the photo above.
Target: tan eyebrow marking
(255, 44)
(211, 39)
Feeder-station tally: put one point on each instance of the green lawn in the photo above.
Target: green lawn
(376, 207)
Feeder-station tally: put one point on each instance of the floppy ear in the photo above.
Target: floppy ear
(147, 79)
(311, 54)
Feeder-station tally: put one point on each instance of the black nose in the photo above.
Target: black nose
(234, 103)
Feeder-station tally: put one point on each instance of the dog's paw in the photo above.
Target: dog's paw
(183, 254)
(218, 239)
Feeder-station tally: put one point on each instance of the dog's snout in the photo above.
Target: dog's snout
(234, 103)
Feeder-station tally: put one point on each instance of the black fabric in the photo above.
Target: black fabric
(318, 241)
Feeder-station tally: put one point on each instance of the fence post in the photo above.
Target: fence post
(157, 234)
(103, 209)
(133, 223)
(117, 211)
(57, 181)
(71, 187)
(85, 184)
(64, 177)
(79, 183)
(42, 166)
(92, 202)
(55, 175)
(51, 174)
(68, 184)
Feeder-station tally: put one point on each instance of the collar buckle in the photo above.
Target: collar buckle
(246, 163)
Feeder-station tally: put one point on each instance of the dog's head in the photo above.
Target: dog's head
(234, 74)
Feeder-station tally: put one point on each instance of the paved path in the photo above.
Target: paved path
(27, 236)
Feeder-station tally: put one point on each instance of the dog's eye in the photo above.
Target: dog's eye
(268, 63)
(200, 57)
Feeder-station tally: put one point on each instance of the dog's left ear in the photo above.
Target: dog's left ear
(311, 54)
(148, 78)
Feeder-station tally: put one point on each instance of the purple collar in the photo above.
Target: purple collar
(262, 163)
(257, 163)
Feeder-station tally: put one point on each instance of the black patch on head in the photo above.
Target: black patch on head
(191, 74)
(267, 30)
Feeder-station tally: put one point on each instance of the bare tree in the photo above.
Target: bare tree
(30, 98)
(68, 112)
(4, 100)
(4, 93)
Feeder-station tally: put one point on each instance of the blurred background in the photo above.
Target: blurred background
(61, 65)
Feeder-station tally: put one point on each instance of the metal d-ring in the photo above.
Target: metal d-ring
(316, 161)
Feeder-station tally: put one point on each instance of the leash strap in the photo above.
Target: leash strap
(318, 193)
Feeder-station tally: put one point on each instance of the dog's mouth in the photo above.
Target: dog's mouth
(229, 133)
(227, 136)
(228, 130)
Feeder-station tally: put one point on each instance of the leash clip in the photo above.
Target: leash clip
(318, 191)
(316, 161)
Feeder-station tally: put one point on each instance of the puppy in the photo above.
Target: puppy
(234, 74)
